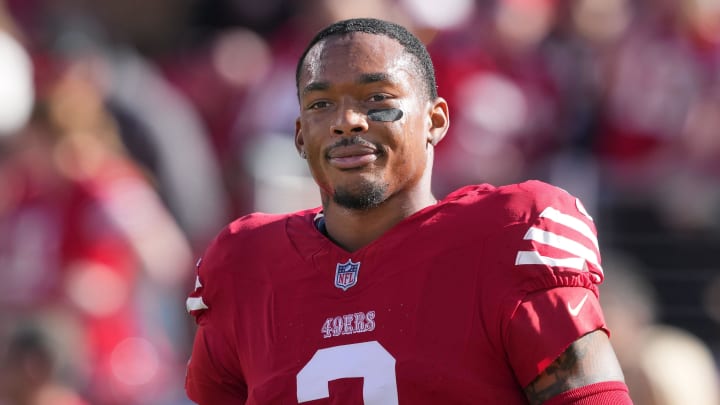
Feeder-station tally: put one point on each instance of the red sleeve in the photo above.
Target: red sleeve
(548, 260)
(545, 324)
(604, 393)
(206, 382)
(214, 375)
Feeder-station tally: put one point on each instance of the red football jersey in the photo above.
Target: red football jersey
(464, 302)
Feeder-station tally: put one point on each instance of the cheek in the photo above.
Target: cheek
(319, 174)
(416, 148)
(310, 135)
(415, 141)
(410, 159)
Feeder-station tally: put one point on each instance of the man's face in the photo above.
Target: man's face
(364, 119)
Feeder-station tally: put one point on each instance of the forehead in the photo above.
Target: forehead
(355, 53)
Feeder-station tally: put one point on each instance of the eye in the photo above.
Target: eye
(379, 97)
(317, 105)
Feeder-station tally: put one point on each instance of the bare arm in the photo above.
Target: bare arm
(590, 359)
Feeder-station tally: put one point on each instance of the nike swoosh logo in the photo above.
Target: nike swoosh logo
(574, 311)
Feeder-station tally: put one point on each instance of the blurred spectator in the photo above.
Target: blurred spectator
(27, 373)
(658, 73)
(692, 168)
(579, 52)
(663, 364)
(87, 245)
(108, 37)
(503, 97)
(188, 174)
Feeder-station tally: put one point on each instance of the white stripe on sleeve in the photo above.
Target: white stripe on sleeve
(533, 257)
(570, 222)
(563, 243)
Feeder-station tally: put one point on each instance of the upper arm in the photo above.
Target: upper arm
(214, 374)
(550, 260)
(589, 360)
(208, 381)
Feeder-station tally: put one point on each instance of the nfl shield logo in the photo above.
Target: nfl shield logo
(346, 274)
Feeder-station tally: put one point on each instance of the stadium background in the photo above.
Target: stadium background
(617, 101)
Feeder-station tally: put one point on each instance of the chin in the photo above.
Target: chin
(362, 196)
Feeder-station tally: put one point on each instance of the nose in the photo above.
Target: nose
(349, 121)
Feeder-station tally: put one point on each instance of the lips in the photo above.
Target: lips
(351, 156)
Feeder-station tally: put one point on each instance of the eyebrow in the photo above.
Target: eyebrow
(315, 86)
(373, 78)
(366, 78)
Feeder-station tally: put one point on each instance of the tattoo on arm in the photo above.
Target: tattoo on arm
(570, 370)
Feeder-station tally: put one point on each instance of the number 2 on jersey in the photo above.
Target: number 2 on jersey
(368, 360)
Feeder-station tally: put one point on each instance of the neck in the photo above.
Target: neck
(354, 229)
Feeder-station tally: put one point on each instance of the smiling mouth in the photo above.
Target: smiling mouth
(352, 157)
(352, 153)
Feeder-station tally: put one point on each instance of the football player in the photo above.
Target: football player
(385, 294)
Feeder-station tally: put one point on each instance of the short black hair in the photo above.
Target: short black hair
(410, 42)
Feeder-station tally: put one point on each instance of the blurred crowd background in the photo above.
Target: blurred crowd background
(131, 131)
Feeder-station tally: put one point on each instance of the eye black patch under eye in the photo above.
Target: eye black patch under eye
(385, 115)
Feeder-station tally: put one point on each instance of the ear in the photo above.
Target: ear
(299, 141)
(439, 121)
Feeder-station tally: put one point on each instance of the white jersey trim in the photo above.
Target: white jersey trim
(582, 254)
(570, 222)
(562, 243)
(195, 303)
(533, 257)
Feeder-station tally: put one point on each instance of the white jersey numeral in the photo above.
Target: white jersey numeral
(369, 361)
